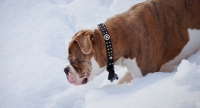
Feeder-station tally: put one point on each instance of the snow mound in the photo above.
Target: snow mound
(179, 89)
(188, 74)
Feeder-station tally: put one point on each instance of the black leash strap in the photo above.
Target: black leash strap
(110, 66)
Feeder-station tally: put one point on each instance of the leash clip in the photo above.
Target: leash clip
(115, 78)
(112, 75)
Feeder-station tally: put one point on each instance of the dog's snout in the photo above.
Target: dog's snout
(66, 70)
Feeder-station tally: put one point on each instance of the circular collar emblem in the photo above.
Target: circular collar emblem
(106, 37)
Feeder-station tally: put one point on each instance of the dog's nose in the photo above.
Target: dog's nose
(66, 70)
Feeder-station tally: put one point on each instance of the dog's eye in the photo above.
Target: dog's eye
(72, 61)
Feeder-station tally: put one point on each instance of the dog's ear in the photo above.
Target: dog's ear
(84, 40)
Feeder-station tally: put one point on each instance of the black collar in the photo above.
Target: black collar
(110, 66)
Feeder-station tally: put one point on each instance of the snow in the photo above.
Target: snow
(34, 37)
(187, 75)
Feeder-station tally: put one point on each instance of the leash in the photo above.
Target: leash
(110, 65)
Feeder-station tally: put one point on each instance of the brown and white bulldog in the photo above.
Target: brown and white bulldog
(149, 37)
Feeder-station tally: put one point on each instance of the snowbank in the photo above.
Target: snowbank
(188, 75)
(34, 37)
(180, 89)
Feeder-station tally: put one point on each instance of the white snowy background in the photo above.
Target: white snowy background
(34, 36)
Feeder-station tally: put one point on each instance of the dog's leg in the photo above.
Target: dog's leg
(168, 69)
(126, 78)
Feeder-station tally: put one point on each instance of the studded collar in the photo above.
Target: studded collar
(110, 65)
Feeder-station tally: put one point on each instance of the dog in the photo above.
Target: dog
(149, 37)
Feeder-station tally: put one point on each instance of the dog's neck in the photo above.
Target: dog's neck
(99, 50)
(118, 43)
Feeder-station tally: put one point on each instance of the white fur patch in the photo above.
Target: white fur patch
(73, 71)
(96, 70)
(131, 65)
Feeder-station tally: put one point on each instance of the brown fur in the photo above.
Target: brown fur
(80, 52)
(154, 32)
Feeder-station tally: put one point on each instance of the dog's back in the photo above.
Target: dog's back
(160, 29)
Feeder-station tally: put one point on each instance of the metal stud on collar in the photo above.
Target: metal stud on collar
(106, 37)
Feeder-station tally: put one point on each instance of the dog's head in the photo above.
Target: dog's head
(83, 67)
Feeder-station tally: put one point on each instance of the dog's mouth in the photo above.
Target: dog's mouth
(73, 78)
